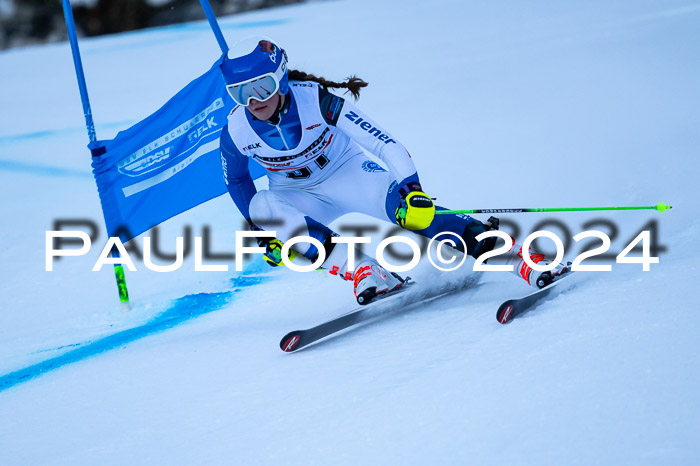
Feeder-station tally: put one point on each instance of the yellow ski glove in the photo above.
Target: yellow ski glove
(416, 209)
(273, 249)
(273, 253)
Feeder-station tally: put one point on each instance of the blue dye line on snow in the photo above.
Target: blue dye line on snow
(59, 348)
(13, 138)
(204, 26)
(181, 310)
(32, 135)
(36, 169)
(256, 24)
(157, 38)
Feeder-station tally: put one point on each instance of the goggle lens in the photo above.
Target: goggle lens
(260, 89)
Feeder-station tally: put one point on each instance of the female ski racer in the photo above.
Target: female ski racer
(310, 141)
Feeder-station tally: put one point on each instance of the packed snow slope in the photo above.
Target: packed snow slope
(502, 104)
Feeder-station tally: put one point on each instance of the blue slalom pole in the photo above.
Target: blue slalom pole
(73, 38)
(96, 148)
(214, 25)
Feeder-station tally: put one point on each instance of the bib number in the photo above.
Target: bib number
(305, 172)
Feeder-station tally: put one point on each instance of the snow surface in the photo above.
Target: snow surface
(502, 104)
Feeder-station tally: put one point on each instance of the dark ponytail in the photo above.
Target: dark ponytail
(353, 84)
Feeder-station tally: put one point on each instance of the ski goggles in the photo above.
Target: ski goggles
(260, 88)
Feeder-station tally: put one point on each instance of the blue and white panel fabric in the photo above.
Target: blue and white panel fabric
(167, 163)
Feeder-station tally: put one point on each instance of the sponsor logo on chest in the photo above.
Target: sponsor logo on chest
(256, 145)
(293, 161)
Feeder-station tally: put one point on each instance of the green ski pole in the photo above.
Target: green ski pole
(661, 207)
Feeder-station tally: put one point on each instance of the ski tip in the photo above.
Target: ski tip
(290, 342)
(503, 315)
